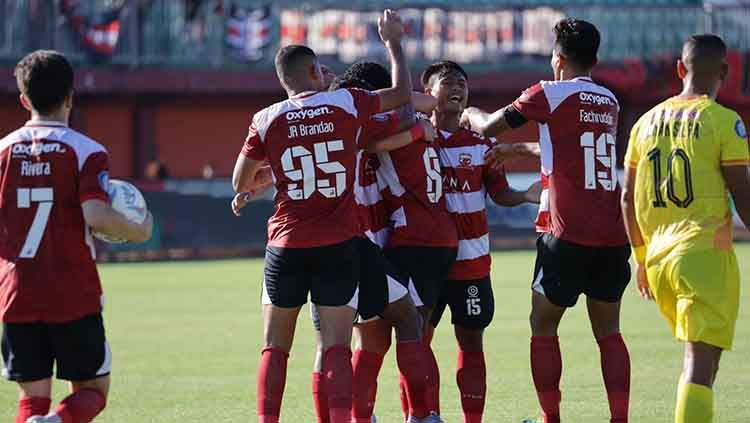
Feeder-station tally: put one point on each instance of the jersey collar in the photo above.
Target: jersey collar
(46, 123)
(583, 78)
(303, 94)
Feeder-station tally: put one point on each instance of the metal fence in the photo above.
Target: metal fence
(192, 33)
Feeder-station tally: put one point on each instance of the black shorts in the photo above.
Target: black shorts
(426, 267)
(472, 303)
(78, 350)
(379, 283)
(565, 270)
(329, 274)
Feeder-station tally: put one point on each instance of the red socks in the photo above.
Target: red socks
(320, 398)
(546, 370)
(32, 406)
(81, 406)
(337, 368)
(404, 396)
(616, 371)
(471, 377)
(271, 381)
(366, 367)
(411, 357)
(433, 385)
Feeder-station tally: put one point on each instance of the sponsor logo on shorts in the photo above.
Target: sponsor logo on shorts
(739, 128)
(473, 291)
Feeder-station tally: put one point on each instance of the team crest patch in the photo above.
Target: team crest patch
(739, 128)
(104, 181)
(464, 160)
(473, 291)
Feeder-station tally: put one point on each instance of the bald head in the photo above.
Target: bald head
(704, 55)
(295, 66)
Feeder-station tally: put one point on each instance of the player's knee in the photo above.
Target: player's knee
(470, 340)
(541, 326)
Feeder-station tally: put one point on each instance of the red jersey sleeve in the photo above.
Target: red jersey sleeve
(94, 178)
(378, 127)
(367, 103)
(533, 104)
(253, 147)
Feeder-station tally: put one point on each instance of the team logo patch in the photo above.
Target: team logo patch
(104, 181)
(464, 160)
(739, 128)
(473, 291)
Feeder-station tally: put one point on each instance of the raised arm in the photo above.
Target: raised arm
(487, 124)
(424, 103)
(391, 31)
(102, 218)
(738, 182)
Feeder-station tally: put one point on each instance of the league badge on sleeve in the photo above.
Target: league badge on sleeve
(739, 128)
(104, 181)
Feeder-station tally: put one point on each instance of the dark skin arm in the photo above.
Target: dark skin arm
(487, 124)
(402, 139)
(512, 198)
(738, 182)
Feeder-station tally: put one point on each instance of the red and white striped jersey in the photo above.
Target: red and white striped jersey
(577, 121)
(371, 207)
(415, 199)
(467, 180)
(47, 268)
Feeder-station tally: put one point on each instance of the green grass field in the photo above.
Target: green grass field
(186, 341)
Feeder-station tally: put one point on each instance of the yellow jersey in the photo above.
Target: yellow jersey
(681, 198)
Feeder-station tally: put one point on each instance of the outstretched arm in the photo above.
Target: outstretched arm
(421, 131)
(500, 153)
(511, 198)
(391, 31)
(492, 124)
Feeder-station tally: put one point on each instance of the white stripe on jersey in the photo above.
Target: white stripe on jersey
(545, 145)
(82, 145)
(469, 249)
(466, 202)
(451, 156)
(557, 91)
(367, 196)
(339, 98)
(398, 218)
(387, 171)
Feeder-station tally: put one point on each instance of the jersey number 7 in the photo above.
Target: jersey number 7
(43, 196)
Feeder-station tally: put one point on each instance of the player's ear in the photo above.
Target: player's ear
(25, 102)
(724, 73)
(69, 100)
(681, 69)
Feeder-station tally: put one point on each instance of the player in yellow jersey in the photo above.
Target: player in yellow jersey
(683, 156)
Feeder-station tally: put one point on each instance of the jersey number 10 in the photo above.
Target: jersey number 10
(677, 154)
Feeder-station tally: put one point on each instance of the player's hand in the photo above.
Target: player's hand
(240, 201)
(496, 156)
(146, 229)
(534, 193)
(643, 287)
(429, 130)
(390, 27)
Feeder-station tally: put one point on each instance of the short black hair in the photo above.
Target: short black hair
(440, 70)
(289, 60)
(348, 81)
(578, 41)
(704, 52)
(45, 77)
(373, 73)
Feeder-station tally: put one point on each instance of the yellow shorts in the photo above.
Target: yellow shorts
(699, 294)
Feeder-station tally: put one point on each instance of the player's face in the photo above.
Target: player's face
(318, 78)
(451, 92)
(328, 75)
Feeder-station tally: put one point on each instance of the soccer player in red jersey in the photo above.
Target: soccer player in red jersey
(583, 247)
(310, 141)
(53, 191)
(467, 181)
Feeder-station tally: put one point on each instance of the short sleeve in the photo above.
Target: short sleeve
(378, 127)
(734, 147)
(533, 104)
(632, 155)
(94, 178)
(367, 103)
(494, 180)
(253, 148)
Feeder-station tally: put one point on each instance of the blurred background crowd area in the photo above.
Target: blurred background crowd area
(170, 86)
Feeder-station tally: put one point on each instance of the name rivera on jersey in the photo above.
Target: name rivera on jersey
(302, 130)
(36, 169)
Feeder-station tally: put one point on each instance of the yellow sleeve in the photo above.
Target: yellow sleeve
(734, 148)
(633, 156)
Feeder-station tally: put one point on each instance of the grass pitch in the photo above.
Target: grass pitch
(186, 341)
